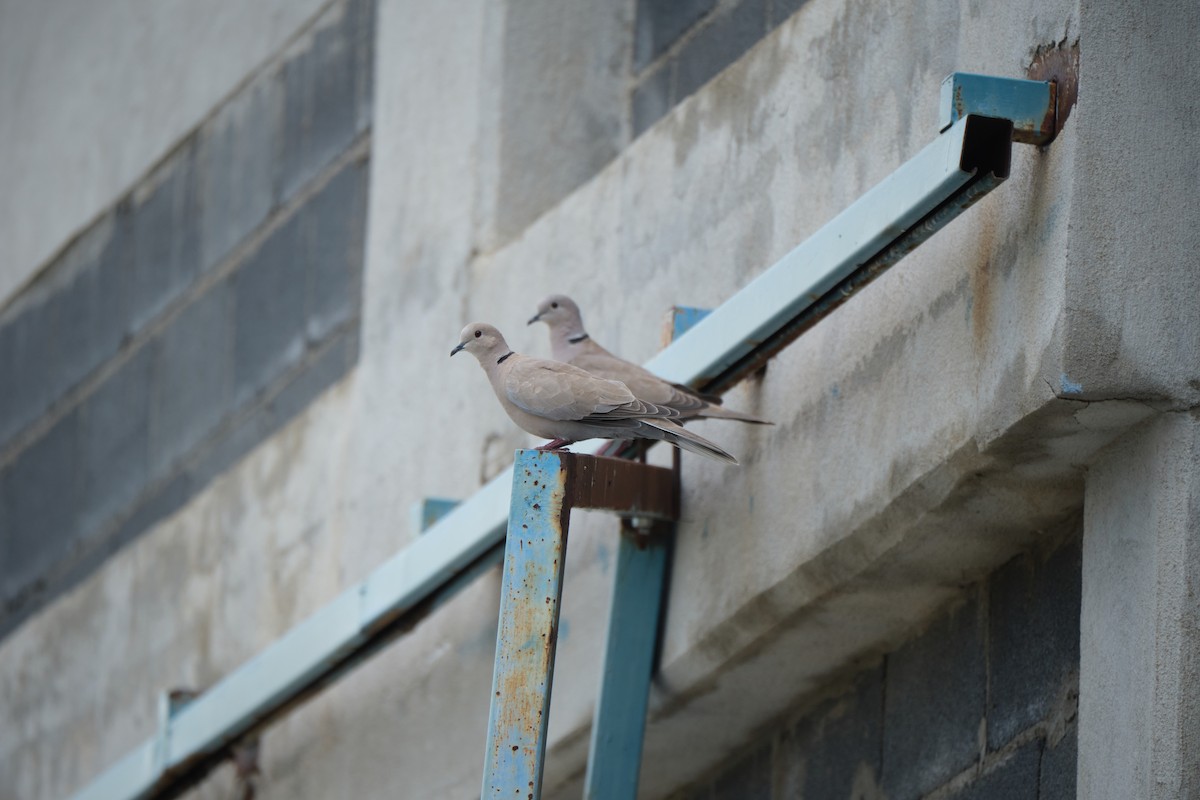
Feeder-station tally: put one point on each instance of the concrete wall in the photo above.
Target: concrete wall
(926, 434)
(202, 311)
(94, 95)
(981, 704)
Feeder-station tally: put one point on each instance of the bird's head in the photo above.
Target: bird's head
(559, 312)
(481, 340)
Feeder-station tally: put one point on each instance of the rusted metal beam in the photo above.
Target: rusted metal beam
(546, 486)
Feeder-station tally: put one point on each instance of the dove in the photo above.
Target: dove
(571, 344)
(566, 404)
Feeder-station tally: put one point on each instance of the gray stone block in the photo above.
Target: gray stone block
(150, 510)
(1014, 779)
(165, 233)
(934, 703)
(652, 98)
(1034, 639)
(321, 372)
(836, 748)
(191, 378)
(269, 319)
(1057, 778)
(268, 417)
(365, 12)
(325, 90)
(5, 540)
(115, 442)
(89, 308)
(659, 23)
(747, 779)
(42, 500)
(719, 44)
(27, 368)
(334, 222)
(782, 9)
(236, 166)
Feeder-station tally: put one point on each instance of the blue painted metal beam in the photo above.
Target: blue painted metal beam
(525, 642)
(619, 725)
(906, 208)
(546, 486)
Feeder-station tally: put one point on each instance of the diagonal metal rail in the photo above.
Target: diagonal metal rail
(968, 159)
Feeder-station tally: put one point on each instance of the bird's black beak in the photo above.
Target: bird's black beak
(534, 318)
(460, 346)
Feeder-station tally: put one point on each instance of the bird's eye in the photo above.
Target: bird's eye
(478, 334)
(554, 305)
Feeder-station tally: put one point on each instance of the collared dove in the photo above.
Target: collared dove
(571, 344)
(567, 404)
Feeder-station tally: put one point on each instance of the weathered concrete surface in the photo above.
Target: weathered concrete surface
(1139, 710)
(920, 441)
(558, 103)
(1132, 320)
(95, 93)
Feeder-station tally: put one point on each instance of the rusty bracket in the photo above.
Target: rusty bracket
(546, 486)
(1031, 106)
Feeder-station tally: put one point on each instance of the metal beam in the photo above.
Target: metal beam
(545, 487)
(876, 231)
(619, 725)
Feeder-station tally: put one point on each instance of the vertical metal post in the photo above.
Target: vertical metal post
(529, 605)
(615, 753)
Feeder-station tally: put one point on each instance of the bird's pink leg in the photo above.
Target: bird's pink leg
(554, 444)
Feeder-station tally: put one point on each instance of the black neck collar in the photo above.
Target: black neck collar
(577, 339)
(506, 355)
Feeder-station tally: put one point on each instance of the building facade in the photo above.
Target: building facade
(240, 239)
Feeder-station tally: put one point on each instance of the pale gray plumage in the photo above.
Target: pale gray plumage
(571, 344)
(567, 404)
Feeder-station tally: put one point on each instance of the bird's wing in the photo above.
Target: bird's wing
(642, 382)
(558, 391)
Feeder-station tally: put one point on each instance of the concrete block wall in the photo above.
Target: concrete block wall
(981, 704)
(201, 311)
(927, 432)
(680, 46)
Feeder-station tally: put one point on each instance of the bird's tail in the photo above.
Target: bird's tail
(686, 440)
(720, 412)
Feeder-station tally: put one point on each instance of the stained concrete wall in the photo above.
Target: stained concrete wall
(203, 310)
(924, 436)
(982, 703)
(94, 94)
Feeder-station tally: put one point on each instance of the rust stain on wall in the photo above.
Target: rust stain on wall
(1058, 62)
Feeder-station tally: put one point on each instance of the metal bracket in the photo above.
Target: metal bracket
(430, 510)
(170, 703)
(1030, 105)
(546, 486)
(680, 319)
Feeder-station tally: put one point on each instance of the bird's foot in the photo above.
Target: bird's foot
(554, 444)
